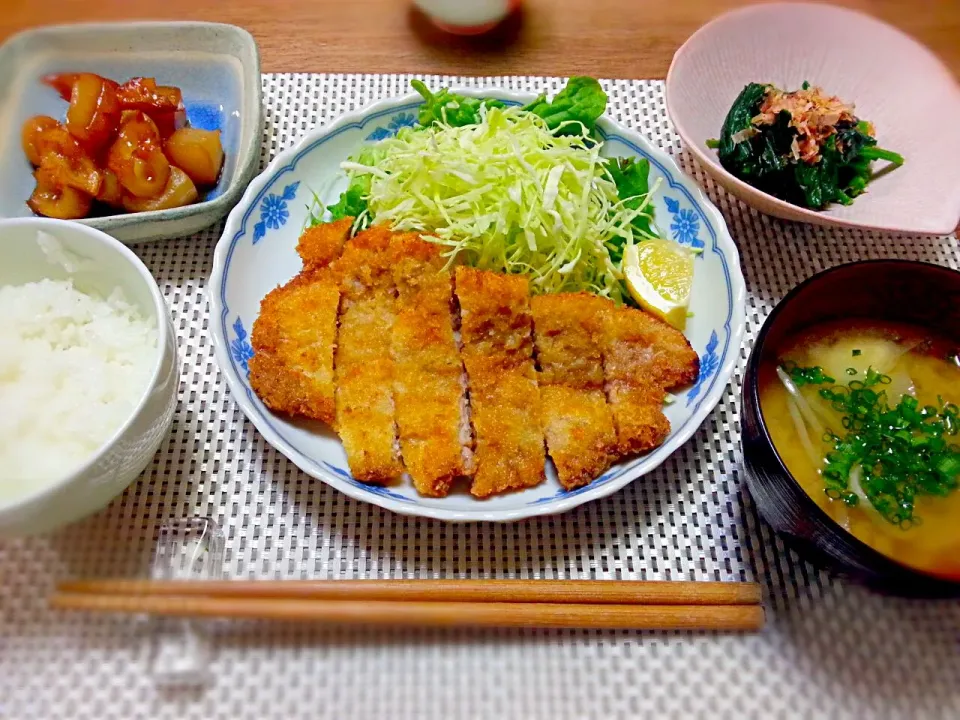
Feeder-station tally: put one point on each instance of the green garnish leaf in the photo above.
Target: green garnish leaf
(353, 201)
(632, 178)
(806, 375)
(579, 105)
(575, 108)
(448, 108)
(875, 153)
(315, 211)
(857, 353)
(739, 119)
(949, 466)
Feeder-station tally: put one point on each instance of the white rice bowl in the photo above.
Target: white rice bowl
(88, 372)
(73, 369)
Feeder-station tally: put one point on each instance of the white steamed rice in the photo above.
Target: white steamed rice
(73, 367)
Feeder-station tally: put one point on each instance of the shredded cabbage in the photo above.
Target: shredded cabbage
(506, 194)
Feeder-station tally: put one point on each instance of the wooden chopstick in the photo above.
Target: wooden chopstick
(600, 604)
(429, 614)
(587, 592)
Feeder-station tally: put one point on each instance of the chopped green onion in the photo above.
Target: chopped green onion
(806, 376)
(893, 454)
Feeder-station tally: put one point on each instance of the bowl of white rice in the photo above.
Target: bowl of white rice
(88, 372)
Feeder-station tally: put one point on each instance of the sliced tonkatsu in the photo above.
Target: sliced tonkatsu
(293, 341)
(363, 364)
(445, 374)
(643, 358)
(429, 384)
(577, 421)
(320, 245)
(497, 348)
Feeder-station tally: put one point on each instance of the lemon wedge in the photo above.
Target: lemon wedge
(659, 276)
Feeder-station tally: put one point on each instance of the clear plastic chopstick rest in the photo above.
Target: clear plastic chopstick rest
(180, 651)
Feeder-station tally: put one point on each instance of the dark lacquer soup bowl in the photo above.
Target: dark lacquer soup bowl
(890, 291)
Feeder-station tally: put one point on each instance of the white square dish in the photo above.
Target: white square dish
(216, 66)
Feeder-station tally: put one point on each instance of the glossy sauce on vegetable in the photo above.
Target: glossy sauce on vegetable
(864, 417)
(122, 147)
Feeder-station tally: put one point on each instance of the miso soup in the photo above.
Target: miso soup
(865, 417)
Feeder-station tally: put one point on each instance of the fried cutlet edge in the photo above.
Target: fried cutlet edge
(279, 387)
(578, 461)
(422, 280)
(505, 291)
(321, 244)
(365, 275)
(677, 362)
(640, 421)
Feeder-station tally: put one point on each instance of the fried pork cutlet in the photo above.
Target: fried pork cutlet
(428, 385)
(577, 422)
(504, 397)
(293, 339)
(643, 357)
(320, 245)
(363, 367)
(392, 378)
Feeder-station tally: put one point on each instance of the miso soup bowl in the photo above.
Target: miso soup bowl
(917, 293)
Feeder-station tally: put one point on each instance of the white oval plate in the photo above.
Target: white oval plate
(257, 252)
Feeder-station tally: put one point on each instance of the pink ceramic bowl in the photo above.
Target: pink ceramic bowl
(895, 82)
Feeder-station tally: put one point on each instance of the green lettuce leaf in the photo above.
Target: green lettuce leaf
(632, 178)
(580, 103)
(450, 108)
(353, 201)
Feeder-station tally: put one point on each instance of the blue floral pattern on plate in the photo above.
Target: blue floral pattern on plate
(709, 362)
(240, 348)
(396, 124)
(273, 211)
(685, 226)
(375, 489)
(562, 493)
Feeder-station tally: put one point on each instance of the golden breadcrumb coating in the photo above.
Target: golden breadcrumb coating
(643, 358)
(577, 421)
(429, 389)
(320, 245)
(363, 364)
(293, 340)
(496, 334)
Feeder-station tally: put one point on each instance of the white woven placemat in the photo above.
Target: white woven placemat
(831, 650)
